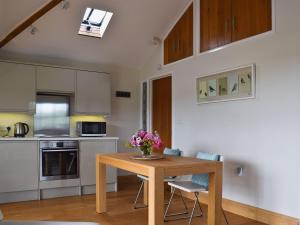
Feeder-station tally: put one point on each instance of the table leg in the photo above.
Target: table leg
(215, 197)
(100, 186)
(146, 185)
(156, 197)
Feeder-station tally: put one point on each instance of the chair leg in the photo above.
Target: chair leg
(225, 216)
(193, 210)
(196, 195)
(170, 201)
(173, 190)
(185, 206)
(138, 195)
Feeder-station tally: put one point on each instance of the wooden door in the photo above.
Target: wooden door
(215, 23)
(250, 17)
(162, 109)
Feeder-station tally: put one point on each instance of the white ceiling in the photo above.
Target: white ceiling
(126, 42)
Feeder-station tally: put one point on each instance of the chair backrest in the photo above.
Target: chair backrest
(202, 179)
(172, 152)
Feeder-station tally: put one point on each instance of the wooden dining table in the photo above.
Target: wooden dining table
(156, 170)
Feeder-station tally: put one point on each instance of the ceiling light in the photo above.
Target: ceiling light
(95, 22)
(156, 41)
(65, 4)
(33, 30)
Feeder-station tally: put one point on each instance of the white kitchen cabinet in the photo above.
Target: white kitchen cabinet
(88, 151)
(93, 93)
(18, 166)
(54, 79)
(17, 87)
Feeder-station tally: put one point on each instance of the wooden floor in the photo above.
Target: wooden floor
(120, 209)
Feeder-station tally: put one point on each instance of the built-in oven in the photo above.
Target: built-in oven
(59, 160)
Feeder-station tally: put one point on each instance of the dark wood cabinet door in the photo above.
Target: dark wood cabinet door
(186, 34)
(169, 47)
(250, 17)
(179, 42)
(215, 23)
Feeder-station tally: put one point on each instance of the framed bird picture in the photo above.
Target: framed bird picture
(228, 85)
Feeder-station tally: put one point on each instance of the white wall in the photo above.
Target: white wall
(125, 111)
(261, 134)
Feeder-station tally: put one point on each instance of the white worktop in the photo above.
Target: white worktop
(57, 138)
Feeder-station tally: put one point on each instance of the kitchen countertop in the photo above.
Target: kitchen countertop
(56, 138)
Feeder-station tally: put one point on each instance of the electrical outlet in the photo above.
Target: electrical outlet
(240, 171)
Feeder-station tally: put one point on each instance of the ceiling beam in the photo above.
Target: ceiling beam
(29, 21)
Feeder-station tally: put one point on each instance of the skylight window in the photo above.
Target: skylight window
(95, 22)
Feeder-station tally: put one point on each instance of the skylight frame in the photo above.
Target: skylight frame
(95, 22)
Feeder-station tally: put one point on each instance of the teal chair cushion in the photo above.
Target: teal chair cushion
(202, 179)
(172, 152)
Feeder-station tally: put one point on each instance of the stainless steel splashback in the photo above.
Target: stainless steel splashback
(52, 116)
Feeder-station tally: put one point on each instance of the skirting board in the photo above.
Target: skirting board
(250, 212)
(261, 215)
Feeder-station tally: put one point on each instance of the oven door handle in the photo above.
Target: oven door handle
(62, 150)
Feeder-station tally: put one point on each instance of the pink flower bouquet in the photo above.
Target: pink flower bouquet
(146, 141)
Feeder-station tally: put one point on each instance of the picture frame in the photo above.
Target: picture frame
(228, 85)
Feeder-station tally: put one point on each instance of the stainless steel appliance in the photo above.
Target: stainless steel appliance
(21, 129)
(91, 129)
(52, 116)
(59, 160)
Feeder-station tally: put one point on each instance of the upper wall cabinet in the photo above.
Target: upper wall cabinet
(226, 21)
(251, 17)
(53, 79)
(179, 42)
(93, 93)
(17, 87)
(215, 23)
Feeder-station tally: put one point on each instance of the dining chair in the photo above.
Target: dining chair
(199, 183)
(167, 152)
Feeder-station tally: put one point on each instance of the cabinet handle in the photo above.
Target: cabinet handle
(234, 23)
(179, 44)
(174, 46)
(227, 25)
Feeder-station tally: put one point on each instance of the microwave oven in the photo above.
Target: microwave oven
(91, 129)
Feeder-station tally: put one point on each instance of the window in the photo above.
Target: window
(145, 106)
(95, 22)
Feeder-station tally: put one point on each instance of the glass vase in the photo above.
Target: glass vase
(146, 151)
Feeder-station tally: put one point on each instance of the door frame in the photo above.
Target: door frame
(150, 101)
(147, 104)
